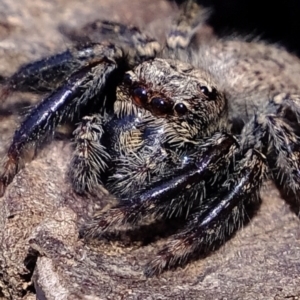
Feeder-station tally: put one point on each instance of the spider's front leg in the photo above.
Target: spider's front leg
(217, 217)
(81, 88)
(48, 73)
(84, 77)
(63, 103)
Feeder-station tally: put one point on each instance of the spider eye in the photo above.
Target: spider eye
(180, 108)
(210, 95)
(139, 95)
(204, 90)
(161, 106)
(127, 79)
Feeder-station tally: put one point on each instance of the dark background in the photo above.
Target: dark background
(275, 22)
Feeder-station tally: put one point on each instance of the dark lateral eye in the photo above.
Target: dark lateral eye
(139, 95)
(210, 95)
(127, 79)
(180, 108)
(204, 90)
(160, 106)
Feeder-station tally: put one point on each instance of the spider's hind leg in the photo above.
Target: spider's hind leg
(125, 36)
(192, 15)
(276, 132)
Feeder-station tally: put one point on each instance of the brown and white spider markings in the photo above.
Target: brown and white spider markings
(184, 130)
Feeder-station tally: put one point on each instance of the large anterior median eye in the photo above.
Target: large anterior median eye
(161, 106)
(139, 95)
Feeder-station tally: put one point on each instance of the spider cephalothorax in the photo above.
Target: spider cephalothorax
(157, 128)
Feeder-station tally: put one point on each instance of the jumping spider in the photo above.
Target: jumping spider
(183, 130)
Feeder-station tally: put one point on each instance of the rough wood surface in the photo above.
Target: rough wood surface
(39, 213)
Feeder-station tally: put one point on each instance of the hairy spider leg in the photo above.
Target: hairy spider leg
(48, 73)
(139, 45)
(191, 17)
(275, 131)
(77, 91)
(217, 218)
(90, 158)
